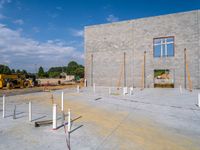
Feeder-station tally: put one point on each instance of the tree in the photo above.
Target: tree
(24, 72)
(13, 71)
(18, 71)
(72, 66)
(79, 72)
(5, 69)
(41, 72)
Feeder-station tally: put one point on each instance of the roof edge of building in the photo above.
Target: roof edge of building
(131, 20)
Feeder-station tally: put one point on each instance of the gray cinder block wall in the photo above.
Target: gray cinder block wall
(106, 44)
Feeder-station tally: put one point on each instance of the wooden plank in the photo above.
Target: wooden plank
(43, 123)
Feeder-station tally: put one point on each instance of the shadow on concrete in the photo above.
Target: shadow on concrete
(76, 129)
(67, 122)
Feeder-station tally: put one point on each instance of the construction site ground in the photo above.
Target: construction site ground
(18, 91)
(151, 119)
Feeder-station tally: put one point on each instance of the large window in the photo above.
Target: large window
(163, 47)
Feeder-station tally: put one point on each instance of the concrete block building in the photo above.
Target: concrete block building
(146, 52)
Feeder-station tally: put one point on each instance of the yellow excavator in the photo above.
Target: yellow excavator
(14, 81)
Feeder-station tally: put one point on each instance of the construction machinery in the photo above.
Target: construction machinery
(16, 81)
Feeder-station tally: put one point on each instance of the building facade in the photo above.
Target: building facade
(146, 52)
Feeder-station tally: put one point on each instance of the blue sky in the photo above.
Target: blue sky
(49, 33)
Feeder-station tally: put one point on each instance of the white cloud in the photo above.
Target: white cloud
(77, 33)
(19, 22)
(112, 18)
(20, 52)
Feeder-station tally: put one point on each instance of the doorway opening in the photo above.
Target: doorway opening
(163, 78)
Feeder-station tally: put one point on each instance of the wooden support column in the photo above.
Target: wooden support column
(92, 70)
(185, 80)
(124, 69)
(144, 71)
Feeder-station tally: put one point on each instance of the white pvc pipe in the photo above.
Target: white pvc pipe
(131, 90)
(54, 116)
(30, 111)
(109, 91)
(69, 121)
(62, 101)
(4, 106)
(94, 88)
(85, 83)
(199, 99)
(181, 91)
(125, 90)
(78, 89)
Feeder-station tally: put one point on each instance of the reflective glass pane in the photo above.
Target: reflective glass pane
(170, 49)
(170, 39)
(157, 51)
(157, 41)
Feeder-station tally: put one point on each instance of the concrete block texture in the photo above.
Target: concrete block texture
(106, 44)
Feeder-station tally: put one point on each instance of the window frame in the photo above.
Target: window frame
(164, 38)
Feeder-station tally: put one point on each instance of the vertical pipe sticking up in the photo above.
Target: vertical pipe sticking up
(85, 83)
(62, 101)
(69, 120)
(94, 88)
(181, 91)
(30, 111)
(54, 116)
(78, 89)
(109, 91)
(4, 106)
(131, 90)
(125, 90)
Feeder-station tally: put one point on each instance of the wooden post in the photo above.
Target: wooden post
(92, 70)
(185, 81)
(144, 69)
(187, 72)
(124, 69)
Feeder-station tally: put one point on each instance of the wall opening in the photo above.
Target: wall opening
(163, 78)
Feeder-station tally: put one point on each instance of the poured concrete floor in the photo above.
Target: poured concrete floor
(152, 119)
